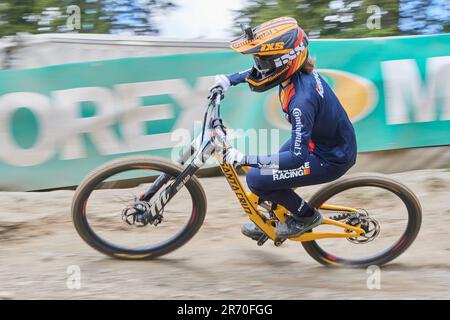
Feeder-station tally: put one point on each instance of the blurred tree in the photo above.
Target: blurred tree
(97, 16)
(12, 15)
(37, 16)
(424, 16)
(329, 19)
(135, 16)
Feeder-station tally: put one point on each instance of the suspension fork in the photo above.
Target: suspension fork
(199, 159)
(164, 178)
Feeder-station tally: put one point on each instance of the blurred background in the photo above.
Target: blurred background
(182, 26)
(43, 33)
(219, 19)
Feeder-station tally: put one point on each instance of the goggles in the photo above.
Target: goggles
(264, 65)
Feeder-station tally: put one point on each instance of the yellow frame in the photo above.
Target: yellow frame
(249, 202)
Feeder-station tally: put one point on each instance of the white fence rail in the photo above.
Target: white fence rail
(30, 51)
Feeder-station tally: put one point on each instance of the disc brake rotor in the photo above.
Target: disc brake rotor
(139, 214)
(369, 225)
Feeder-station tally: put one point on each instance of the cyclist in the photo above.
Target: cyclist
(322, 146)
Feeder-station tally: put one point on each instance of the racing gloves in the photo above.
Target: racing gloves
(222, 81)
(234, 157)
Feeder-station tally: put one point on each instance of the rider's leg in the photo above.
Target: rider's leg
(250, 229)
(286, 195)
(275, 186)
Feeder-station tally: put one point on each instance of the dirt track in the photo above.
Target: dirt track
(38, 243)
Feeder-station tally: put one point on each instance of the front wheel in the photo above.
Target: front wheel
(389, 211)
(105, 216)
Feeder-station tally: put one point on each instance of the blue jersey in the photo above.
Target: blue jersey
(320, 124)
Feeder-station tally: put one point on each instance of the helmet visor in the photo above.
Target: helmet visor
(264, 65)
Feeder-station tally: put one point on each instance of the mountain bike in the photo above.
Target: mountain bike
(143, 207)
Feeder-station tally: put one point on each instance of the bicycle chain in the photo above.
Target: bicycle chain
(340, 216)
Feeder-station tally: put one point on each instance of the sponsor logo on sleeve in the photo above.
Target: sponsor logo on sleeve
(319, 86)
(297, 123)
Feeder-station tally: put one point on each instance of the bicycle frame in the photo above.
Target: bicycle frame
(249, 202)
(213, 140)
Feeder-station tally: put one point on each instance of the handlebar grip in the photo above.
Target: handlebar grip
(216, 91)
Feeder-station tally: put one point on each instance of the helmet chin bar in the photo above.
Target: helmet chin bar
(262, 72)
(259, 85)
(264, 63)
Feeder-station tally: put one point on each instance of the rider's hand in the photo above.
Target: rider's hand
(233, 157)
(221, 81)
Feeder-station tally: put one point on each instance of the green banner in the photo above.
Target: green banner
(58, 123)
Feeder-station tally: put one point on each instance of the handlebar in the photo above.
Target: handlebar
(213, 131)
(212, 122)
(215, 92)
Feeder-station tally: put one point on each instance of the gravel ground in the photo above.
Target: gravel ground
(39, 245)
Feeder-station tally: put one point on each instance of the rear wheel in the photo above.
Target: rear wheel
(387, 209)
(104, 213)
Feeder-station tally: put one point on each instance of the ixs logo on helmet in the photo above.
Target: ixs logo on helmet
(294, 53)
(272, 46)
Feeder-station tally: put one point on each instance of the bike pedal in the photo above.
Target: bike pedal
(262, 240)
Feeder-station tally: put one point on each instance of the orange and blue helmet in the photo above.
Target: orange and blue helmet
(279, 49)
